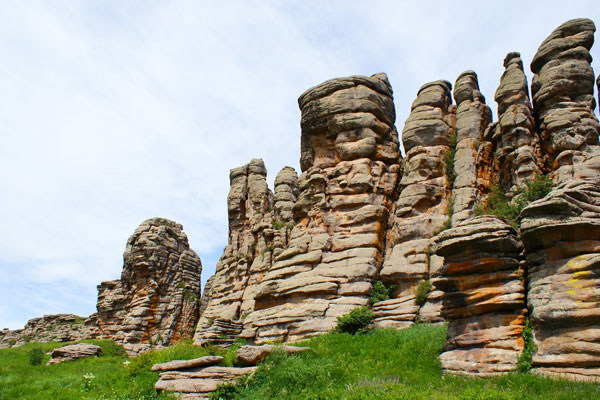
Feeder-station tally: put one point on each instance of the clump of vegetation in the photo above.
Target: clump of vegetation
(422, 292)
(357, 321)
(380, 292)
(12, 342)
(449, 211)
(449, 160)
(525, 359)
(497, 202)
(211, 321)
(36, 356)
(278, 225)
(226, 391)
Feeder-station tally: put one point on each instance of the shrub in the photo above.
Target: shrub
(356, 321)
(278, 225)
(449, 160)
(226, 391)
(36, 356)
(422, 292)
(380, 292)
(525, 359)
(12, 342)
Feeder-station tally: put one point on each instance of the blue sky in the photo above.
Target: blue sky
(115, 112)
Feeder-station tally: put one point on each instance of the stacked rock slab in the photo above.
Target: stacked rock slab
(484, 297)
(561, 234)
(421, 208)
(473, 153)
(517, 158)
(259, 229)
(156, 300)
(222, 332)
(52, 328)
(73, 352)
(196, 379)
(349, 159)
(563, 101)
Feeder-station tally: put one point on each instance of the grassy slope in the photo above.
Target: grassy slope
(335, 369)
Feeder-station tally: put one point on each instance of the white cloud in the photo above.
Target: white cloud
(112, 114)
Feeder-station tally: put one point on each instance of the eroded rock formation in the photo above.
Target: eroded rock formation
(563, 101)
(51, 328)
(561, 234)
(484, 296)
(156, 300)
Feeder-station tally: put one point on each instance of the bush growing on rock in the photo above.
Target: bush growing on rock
(356, 321)
(380, 292)
(422, 292)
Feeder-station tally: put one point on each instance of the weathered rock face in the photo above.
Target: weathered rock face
(517, 158)
(484, 296)
(350, 168)
(73, 352)
(473, 153)
(259, 230)
(422, 205)
(563, 100)
(51, 328)
(561, 234)
(156, 300)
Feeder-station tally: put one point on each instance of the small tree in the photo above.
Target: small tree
(380, 292)
(422, 292)
(356, 321)
(36, 356)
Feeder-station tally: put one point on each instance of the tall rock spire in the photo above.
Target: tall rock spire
(564, 103)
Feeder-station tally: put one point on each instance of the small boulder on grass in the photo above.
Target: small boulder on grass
(74, 351)
(252, 355)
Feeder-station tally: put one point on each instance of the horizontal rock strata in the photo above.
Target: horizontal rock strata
(156, 300)
(561, 234)
(483, 300)
(73, 352)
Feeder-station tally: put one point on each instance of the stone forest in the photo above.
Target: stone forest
(457, 217)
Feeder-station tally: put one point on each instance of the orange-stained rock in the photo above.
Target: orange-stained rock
(483, 299)
(561, 234)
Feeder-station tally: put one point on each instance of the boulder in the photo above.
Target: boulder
(252, 355)
(73, 352)
(185, 364)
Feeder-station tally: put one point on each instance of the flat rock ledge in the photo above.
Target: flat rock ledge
(74, 351)
(252, 355)
(198, 378)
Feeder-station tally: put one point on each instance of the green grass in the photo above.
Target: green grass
(115, 377)
(390, 364)
(382, 364)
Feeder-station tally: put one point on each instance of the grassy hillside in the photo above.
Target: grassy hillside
(384, 364)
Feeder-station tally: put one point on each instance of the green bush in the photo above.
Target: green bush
(278, 225)
(12, 342)
(356, 321)
(36, 356)
(380, 292)
(449, 160)
(226, 391)
(525, 359)
(422, 292)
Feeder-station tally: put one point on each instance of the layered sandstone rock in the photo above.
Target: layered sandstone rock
(73, 352)
(563, 100)
(259, 230)
(350, 166)
(52, 328)
(422, 205)
(473, 153)
(156, 300)
(561, 234)
(517, 158)
(198, 378)
(484, 297)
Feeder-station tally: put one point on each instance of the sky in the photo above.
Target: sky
(115, 112)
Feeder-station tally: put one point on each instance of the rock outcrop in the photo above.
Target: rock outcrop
(517, 158)
(196, 379)
(561, 234)
(473, 153)
(422, 206)
(155, 303)
(252, 355)
(484, 296)
(51, 328)
(73, 352)
(563, 101)
(350, 164)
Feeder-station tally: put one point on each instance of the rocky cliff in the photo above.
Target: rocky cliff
(360, 212)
